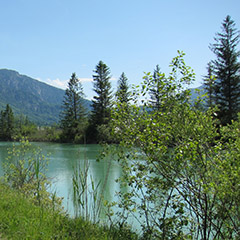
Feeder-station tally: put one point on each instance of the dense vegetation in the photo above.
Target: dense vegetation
(185, 185)
(13, 128)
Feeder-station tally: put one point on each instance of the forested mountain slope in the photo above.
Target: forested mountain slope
(37, 100)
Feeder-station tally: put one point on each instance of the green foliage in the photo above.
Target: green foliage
(157, 88)
(46, 134)
(28, 211)
(102, 87)
(7, 124)
(24, 127)
(181, 176)
(14, 128)
(166, 91)
(20, 219)
(24, 170)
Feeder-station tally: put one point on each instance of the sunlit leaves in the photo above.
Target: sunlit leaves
(181, 172)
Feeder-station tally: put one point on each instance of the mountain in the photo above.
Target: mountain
(37, 100)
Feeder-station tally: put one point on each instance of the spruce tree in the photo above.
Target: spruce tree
(73, 115)
(101, 103)
(227, 71)
(123, 94)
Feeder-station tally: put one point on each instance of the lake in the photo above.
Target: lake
(62, 159)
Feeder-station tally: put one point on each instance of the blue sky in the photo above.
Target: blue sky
(50, 39)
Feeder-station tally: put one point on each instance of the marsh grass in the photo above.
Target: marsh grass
(87, 193)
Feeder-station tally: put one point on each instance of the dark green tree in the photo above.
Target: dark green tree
(7, 124)
(227, 70)
(208, 82)
(123, 93)
(73, 115)
(101, 104)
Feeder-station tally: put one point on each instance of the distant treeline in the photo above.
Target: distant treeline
(13, 128)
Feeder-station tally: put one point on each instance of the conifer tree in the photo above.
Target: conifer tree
(227, 71)
(7, 124)
(101, 103)
(123, 94)
(73, 115)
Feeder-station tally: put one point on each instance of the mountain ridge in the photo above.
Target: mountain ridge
(39, 101)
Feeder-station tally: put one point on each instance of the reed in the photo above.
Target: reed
(87, 193)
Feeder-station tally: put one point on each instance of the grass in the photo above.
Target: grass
(21, 219)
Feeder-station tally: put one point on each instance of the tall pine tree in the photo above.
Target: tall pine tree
(73, 115)
(227, 71)
(102, 101)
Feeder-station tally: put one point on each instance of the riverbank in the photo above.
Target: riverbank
(21, 219)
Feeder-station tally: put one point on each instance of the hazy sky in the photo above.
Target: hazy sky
(50, 39)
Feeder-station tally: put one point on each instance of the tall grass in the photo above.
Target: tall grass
(87, 193)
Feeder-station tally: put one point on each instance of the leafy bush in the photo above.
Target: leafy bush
(180, 168)
(24, 170)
